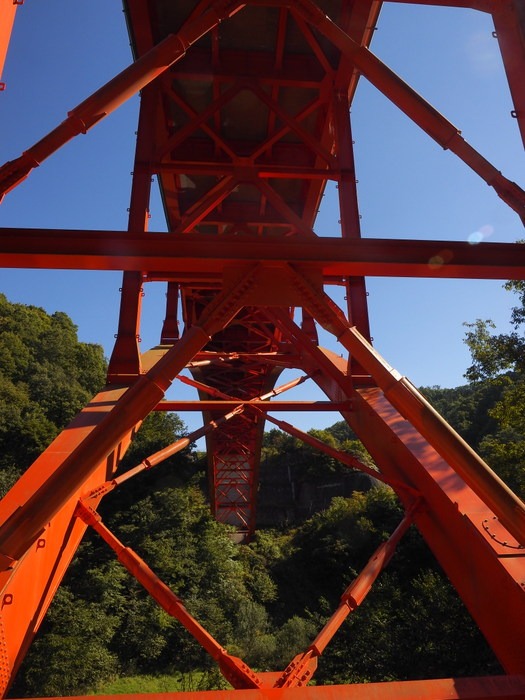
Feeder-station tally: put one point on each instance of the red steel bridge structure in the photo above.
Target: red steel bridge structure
(244, 118)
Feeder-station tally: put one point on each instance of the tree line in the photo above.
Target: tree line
(264, 601)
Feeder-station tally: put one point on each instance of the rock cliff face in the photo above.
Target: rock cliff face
(288, 496)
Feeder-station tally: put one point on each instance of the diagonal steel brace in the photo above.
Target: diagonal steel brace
(106, 99)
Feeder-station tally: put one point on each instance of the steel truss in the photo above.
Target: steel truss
(243, 159)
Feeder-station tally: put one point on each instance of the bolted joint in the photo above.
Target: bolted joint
(101, 490)
(15, 171)
(76, 123)
(87, 514)
(238, 673)
(299, 671)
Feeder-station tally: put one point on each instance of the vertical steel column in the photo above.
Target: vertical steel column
(125, 358)
(509, 21)
(349, 208)
(170, 327)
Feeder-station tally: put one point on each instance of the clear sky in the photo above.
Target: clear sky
(408, 186)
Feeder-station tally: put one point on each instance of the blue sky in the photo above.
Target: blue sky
(408, 186)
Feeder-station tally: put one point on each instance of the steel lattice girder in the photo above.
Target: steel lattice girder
(245, 157)
(207, 172)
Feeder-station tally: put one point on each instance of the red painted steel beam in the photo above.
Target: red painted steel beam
(347, 459)
(156, 458)
(488, 573)
(482, 5)
(483, 688)
(477, 474)
(303, 71)
(412, 405)
(259, 405)
(509, 21)
(7, 18)
(170, 253)
(139, 26)
(234, 452)
(195, 122)
(266, 171)
(27, 586)
(349, 210)
(125, 358)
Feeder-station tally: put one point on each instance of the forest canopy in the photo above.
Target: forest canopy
(46, 377)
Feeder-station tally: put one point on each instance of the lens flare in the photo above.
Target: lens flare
(481, 234)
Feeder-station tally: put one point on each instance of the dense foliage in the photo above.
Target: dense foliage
(264, 601)
(46, 377)
(499, 360)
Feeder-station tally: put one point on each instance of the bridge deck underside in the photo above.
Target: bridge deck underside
(242, 140)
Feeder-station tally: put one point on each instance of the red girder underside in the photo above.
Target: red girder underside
(244, 118)
(243, 143)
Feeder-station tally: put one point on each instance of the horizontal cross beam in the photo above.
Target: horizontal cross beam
(224, 406)
(482, 688)
(166, 256)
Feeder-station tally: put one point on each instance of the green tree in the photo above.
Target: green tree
(71, 655)
(46, 377)
(493, 353)
(411, 625)
(467, 408)
(323, 555)
(500, 359)
(310, 461)
(292, 638)
(407, 624)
